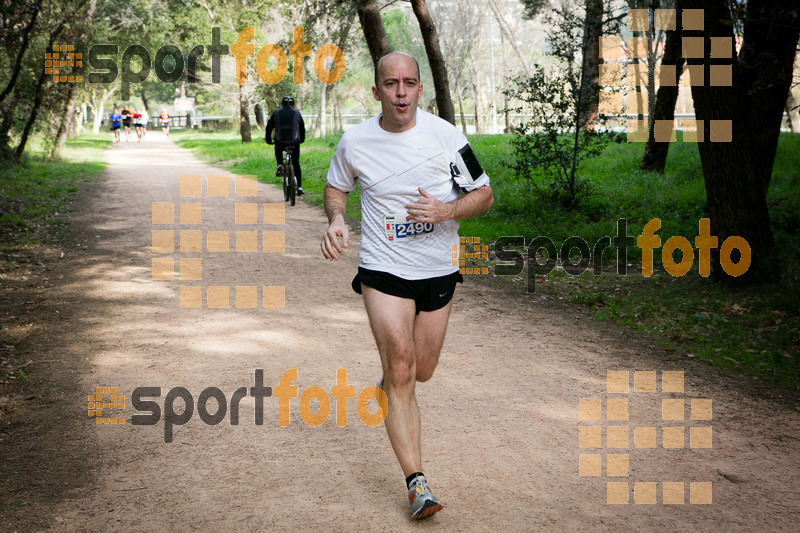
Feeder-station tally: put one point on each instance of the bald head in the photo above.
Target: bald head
(390, 59)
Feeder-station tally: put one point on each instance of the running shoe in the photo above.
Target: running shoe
(423, 502)
(380, 386)
(279, 172)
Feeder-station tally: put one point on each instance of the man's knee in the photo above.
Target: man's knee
(401, 366)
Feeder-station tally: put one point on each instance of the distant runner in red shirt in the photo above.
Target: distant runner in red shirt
(137, 123)
(127, 118)
(164, 119)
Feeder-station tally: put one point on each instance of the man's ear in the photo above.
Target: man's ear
(375, 93)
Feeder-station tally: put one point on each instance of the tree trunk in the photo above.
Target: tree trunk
(21, 52)
(444, 103)
(97, 118)
(328, 99)
(98, 105)
(461, 110)
(638, 79)
(37, 98)
(337, 109)
(37, 101)
(38, 92)
(5, 126)
(323, 109)
(655, 153)
(144, 101)
(792, 104)
(476, 91)
(369, 15)
(319, 126)
(737, 173)
(590, 66)
(258, 112)
(327, 90)
(506, 112)
(244, 115)
(77, 123)
(651, 64)
(66, 120)
(505, 32)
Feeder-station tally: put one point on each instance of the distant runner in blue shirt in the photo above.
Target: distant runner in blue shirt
(116, 123)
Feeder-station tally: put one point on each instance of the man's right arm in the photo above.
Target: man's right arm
(302, 128)
(270, 127)
(335, 202)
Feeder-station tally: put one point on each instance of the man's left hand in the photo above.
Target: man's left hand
(429, 209)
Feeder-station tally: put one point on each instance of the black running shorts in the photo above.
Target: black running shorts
(428, 294)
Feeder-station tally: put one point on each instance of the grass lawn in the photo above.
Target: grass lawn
(35, 195)
(754, 330)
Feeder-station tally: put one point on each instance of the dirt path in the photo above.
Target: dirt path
(500, 417)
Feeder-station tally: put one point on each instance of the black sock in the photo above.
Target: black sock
(412, 477)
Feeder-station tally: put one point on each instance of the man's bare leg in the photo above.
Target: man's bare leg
(392, 322)
(429, 331)
(409, 347)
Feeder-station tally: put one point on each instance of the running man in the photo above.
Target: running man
(164, 119)
(412, 166)
(137, 123)
(116, 123)
(290, 130)
(145, 120)
(127, 118)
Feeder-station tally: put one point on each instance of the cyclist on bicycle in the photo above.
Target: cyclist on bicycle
(289, 131)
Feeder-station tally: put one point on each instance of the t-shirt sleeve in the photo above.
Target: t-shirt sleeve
(465, 168)
(341, 174)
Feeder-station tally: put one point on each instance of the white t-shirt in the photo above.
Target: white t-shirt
(391, 167)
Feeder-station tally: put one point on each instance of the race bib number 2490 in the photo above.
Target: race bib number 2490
(400, 227)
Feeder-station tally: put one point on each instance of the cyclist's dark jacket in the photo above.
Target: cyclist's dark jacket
(288, 125)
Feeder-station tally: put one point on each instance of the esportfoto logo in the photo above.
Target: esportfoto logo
(103, 58)
(513, 254)
(149, 412)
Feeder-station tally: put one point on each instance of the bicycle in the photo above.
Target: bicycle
(289, 179)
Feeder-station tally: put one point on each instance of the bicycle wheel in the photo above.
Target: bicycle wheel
(285, 181)
(292, 184)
